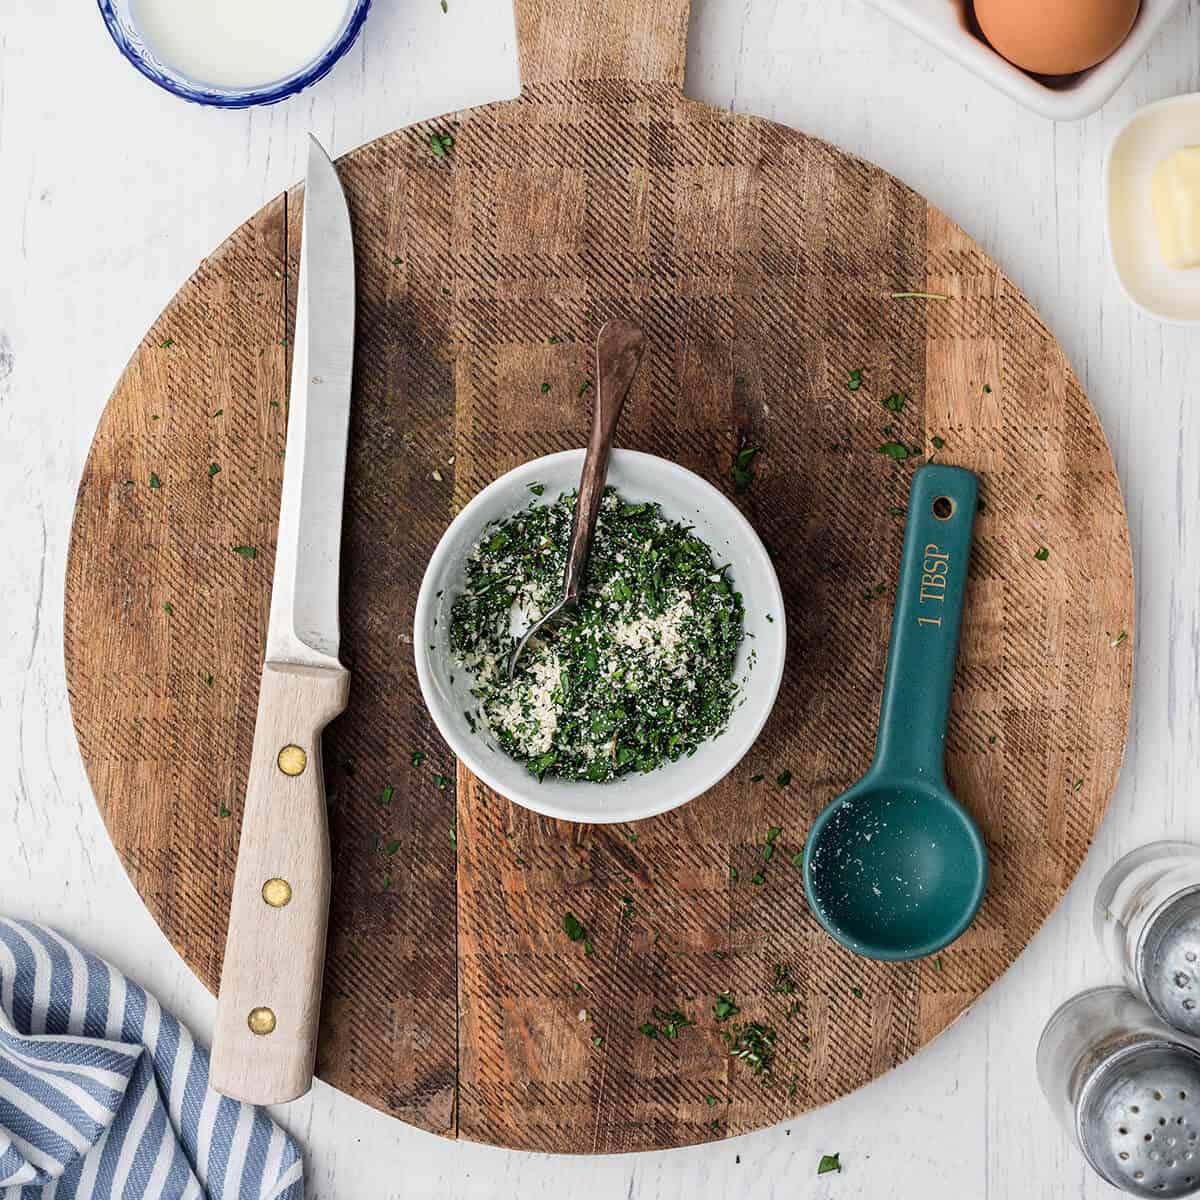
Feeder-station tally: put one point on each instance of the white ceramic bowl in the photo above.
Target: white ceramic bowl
(941, 22)
(682, 496)
(1140, 144)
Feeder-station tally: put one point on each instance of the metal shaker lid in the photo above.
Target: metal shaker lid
(1168, 962)
(1139, 1120)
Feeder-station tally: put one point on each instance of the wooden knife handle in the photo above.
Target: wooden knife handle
(269, 1005)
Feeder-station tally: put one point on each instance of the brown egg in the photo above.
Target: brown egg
(1055, 37)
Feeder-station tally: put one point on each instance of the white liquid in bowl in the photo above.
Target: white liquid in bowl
(239, 43)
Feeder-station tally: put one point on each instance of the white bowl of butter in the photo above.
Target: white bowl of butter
(1140, 176)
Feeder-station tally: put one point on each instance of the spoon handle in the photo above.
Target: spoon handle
(619, 347)
(925, 624)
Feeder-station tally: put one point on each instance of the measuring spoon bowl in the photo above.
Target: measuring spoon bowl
(895, 869)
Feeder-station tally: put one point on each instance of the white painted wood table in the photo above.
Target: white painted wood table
(110, 193)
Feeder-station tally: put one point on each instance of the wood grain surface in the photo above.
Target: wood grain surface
(761, 263)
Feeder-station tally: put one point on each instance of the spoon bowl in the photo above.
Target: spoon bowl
(895, 868)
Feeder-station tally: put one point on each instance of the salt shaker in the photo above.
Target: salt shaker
(1147, 917)
(1127, 1090)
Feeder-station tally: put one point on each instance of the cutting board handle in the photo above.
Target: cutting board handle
(584, 40)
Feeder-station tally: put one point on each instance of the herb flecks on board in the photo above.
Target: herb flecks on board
(642, 676)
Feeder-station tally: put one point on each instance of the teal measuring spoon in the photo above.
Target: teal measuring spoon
(895, 868)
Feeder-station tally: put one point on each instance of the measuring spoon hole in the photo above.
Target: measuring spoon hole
(943, 508)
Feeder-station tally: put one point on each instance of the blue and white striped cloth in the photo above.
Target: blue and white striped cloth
(104, 1096)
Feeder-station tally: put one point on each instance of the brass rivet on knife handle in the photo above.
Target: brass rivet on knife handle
(277, 892)
(261, 1021)
(292, 760)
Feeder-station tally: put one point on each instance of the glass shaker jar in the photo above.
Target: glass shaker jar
(1127, 1090)
(1147, 917)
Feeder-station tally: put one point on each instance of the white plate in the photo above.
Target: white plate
(1141, 143)
(941, 23)
(682, 496)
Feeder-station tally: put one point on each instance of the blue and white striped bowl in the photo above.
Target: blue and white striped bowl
(119, 20)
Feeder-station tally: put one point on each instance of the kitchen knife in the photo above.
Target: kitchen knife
(269, 1004)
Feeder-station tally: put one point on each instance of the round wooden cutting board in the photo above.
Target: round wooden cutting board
(764, 266)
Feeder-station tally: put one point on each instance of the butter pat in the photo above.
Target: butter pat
(1175, 188)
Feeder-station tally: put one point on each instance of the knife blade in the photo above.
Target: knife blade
(268, 1007)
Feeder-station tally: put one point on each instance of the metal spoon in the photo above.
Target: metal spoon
(619, 347)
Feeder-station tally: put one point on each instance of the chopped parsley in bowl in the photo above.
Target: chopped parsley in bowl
(640, 674)
(737, 624)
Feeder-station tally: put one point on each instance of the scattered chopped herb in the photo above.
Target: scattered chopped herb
(631, 836)
(718, 954)
(987, 389)
(445, 6)
(537, 488)
(753, 1044)
(167, 607)
(991, 739)
(283, 341)
(207, 679)
(756, 778)
(894, 450)
(218, 412)
(758, 878)
(397, 261)
(572, 927)
(858, 992)
(774, 831)
(387, 883)
(937, 963)
(767, 851)
(583, 387)
(710, 1100)
(856, 379)
(392, 846)
(784, 778)
(155, 482)
(791, 1088)
(418, 757)
(385, 797)
(733, 874)
(714, 1125)
(938, 442)
(888, 430)
(829, 1162)
(454, 836)
(545, 387)
(743, 468)
(214, 469)
(895, 402)
(166, 343)
(440, 144)
(666, 1023)
(725, 1007)
(440, 781)
(626, 906)
(1042, 554)
(1118, 639)
(245, 551)
(798, 858)
(782, 983)
(224, 811)
(896, 511)
(1078, 785)
(597, 1040)
(553, 340)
